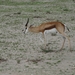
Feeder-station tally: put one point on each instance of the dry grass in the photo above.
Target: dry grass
(23, 54)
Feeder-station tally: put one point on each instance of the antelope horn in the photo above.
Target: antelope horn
(27, 22)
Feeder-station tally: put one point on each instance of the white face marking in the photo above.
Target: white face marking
(26, 30)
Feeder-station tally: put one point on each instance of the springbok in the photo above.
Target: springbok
(60, 27)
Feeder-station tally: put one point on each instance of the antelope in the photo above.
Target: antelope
(60, 27)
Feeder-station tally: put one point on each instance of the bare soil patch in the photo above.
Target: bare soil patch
(23, 54)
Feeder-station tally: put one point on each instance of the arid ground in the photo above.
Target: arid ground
(24, 54)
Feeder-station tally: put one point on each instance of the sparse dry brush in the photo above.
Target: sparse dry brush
(21, 54)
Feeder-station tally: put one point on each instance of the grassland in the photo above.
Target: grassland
(23, 54)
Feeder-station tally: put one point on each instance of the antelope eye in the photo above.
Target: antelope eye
(25, 27)
(22, 30)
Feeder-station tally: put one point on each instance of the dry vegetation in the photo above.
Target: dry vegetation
(23, 54)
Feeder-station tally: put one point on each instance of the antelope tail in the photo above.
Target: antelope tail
(67, 28)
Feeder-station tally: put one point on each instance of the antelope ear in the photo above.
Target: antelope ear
(31, 25)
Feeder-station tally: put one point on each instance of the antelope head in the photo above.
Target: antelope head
(25, 30)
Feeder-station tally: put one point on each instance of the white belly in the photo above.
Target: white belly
(52, 31)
